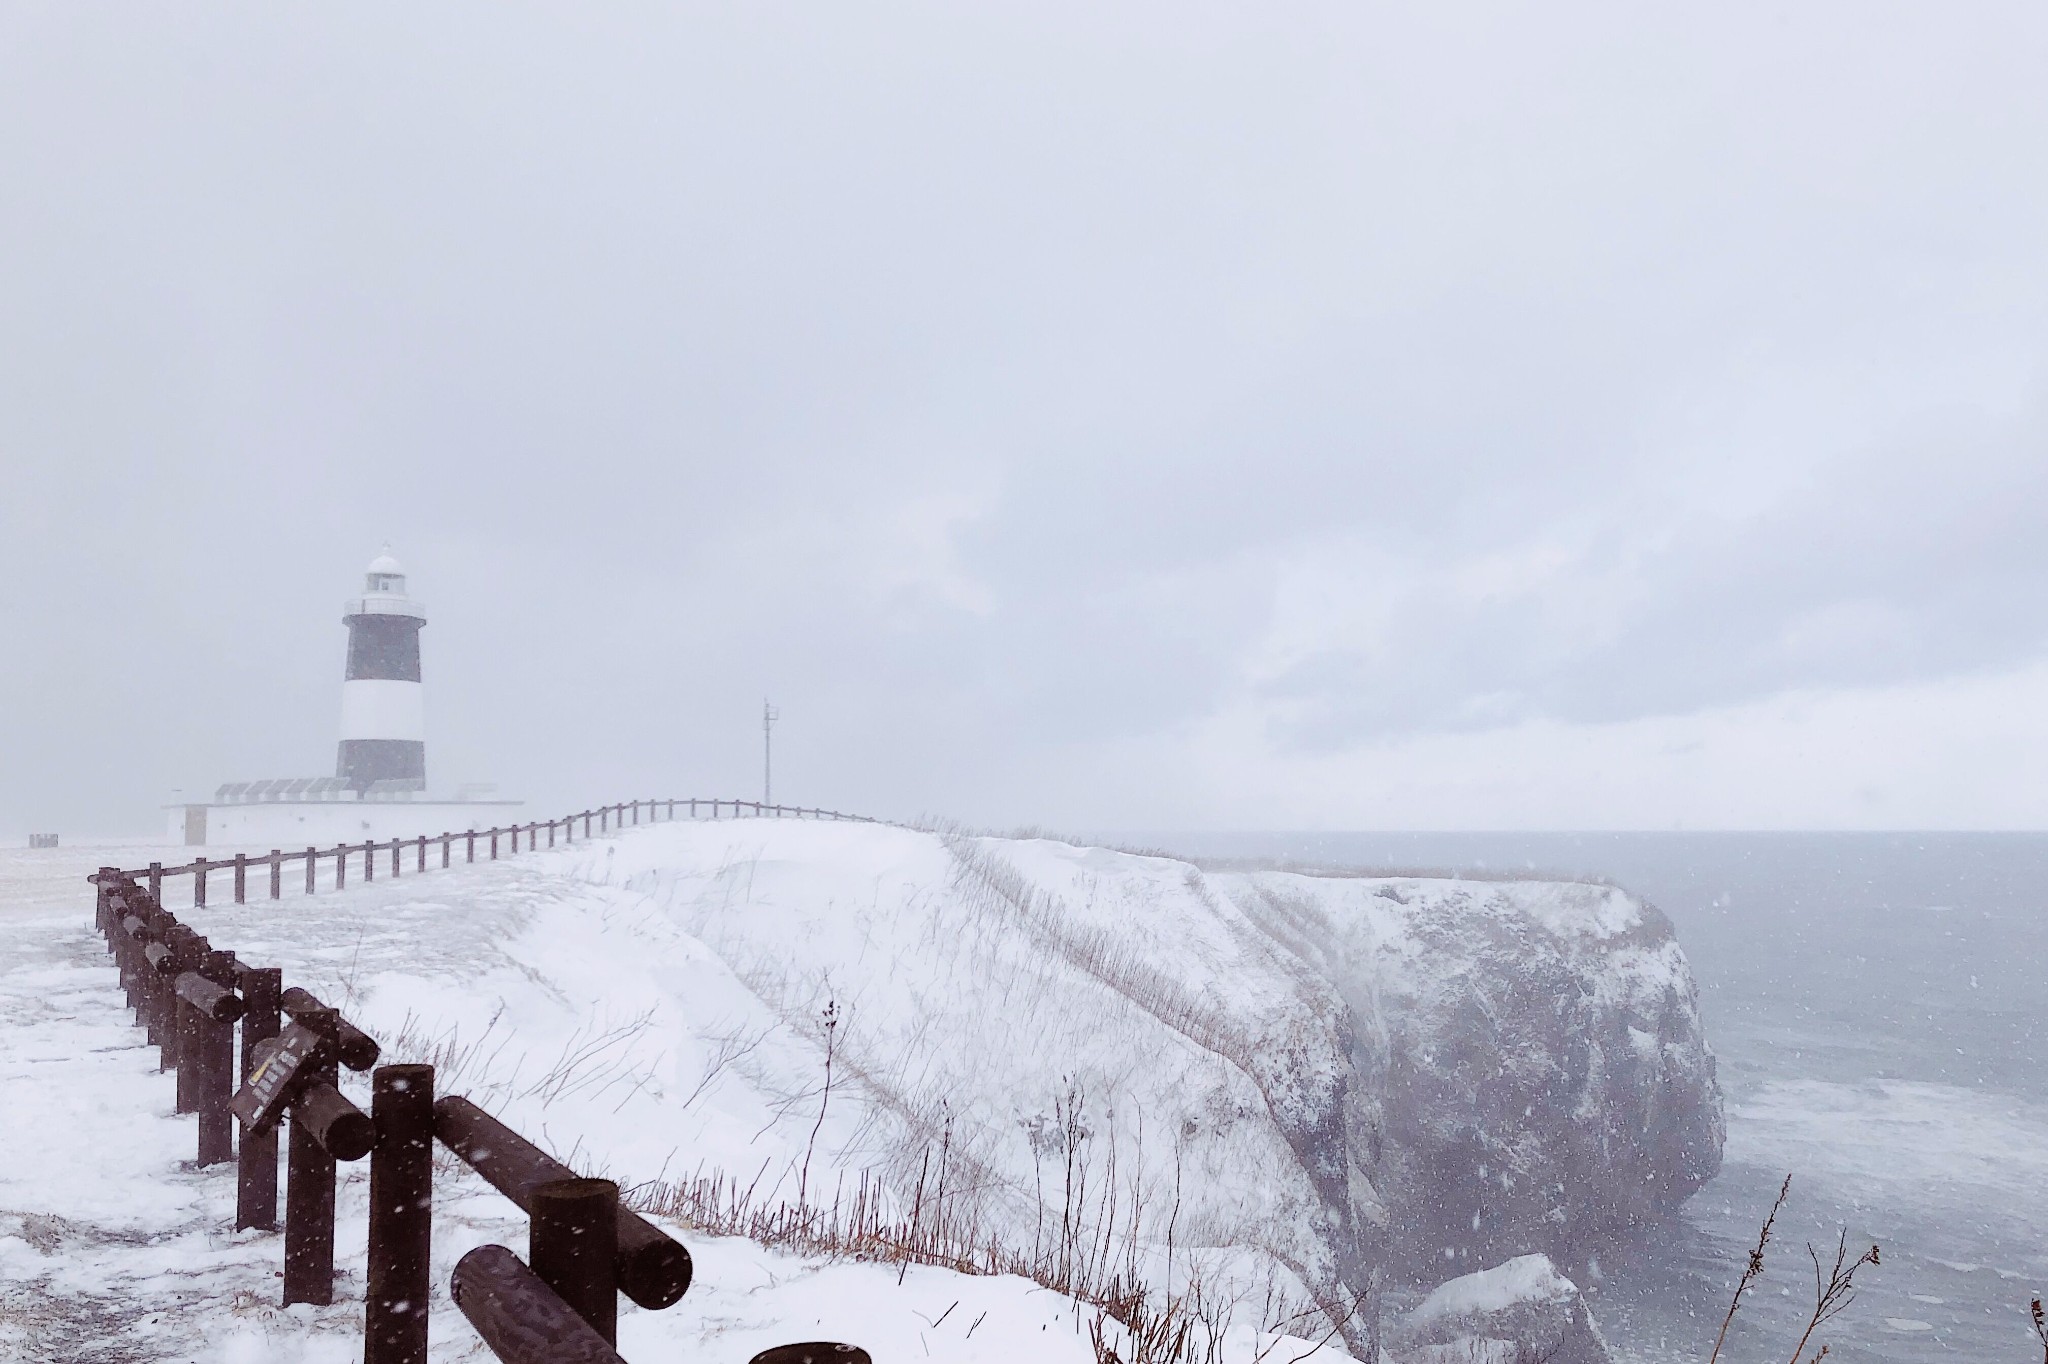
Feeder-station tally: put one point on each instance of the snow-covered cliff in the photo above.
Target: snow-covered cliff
(1292, 1082)
(1346, 1073)
(1534, 1050)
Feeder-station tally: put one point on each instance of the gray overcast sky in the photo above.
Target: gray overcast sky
(1444, 415)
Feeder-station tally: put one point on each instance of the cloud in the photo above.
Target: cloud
(1017, 394)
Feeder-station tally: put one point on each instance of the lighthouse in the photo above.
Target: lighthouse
(379, 787)
(383, 713)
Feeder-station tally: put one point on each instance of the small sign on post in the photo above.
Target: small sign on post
(274, 1082)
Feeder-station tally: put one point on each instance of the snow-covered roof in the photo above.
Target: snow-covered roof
(385, 563)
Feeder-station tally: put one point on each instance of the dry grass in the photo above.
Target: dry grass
(1084, 1252)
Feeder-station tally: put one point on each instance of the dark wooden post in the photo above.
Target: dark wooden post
(586, 823)
(446, 841)
(401, 1215)
(472, 845)
(241, 878)
(312, 862)
(494, 845)
(199, 883)
(215, 1054)
(187, 949)
(572, 1240)
(394, 856)
(153, 1012)
(423, 853)
(369, 860)
(551, 833)
(256, 1173)
(341, 866)
(276, 874)
(156, 882)
(309, 1201)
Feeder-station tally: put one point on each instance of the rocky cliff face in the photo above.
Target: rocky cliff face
(1534, 1049)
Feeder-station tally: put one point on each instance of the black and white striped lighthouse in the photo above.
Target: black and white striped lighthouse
(383, 713)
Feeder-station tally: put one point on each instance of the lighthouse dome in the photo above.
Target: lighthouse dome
(385, 574)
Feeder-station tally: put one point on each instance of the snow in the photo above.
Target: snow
(1524, 1279)
(1048, 1023)
(113, 1247)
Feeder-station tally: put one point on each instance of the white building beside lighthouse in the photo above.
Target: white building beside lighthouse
(379, 787)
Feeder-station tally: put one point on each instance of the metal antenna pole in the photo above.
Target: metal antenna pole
(769, 715)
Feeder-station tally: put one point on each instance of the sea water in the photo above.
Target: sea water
(1879, 1006)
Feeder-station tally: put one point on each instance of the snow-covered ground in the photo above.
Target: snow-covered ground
(650, 1007)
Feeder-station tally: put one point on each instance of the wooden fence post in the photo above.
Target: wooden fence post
(187, 949)
(494, 845)
(308, 1215)
(472, 845)
(325, 1127)
(241, 877)
(312, 862)
(156, 992)
(447, 841)
(401, 1216)
(572, 1241)
(199, 883)
(276, 874)
(369, 860)
(423, 853)
(214, 1055)
(256, 1172)
(341, 867)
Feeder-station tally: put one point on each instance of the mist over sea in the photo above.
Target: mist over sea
(1879, 1005)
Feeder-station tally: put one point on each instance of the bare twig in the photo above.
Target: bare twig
(830, 1020)
(1834, 1293)
(1753, 1270)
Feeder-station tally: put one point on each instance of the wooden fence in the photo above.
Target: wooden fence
(393, 853)
(558, 1306)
